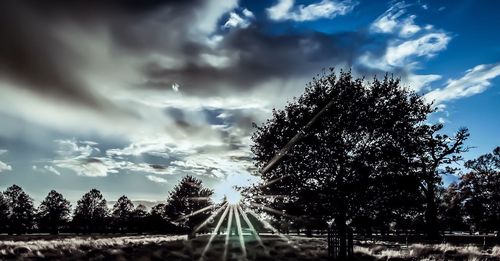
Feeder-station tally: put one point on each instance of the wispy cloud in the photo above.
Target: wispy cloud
(4, 166)
(156, 179)
(474, 81)
(408, 44)
(285, 10)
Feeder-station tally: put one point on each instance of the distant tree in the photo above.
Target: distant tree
(122, 214)
(157, 219)
(90, 212)
(139, 218)
(21, 210)
(185, 200)
(480, 191)
(367, 133)
(437, 152)
(4, 213)
(53, 212)
(451, 211)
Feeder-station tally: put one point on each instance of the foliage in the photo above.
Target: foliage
(122, 213)
(480, 191)
(21, 211)
(53, 212)
(90, 212)
(347, 162)
(185, 199)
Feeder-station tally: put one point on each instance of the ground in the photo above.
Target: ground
(273, 247)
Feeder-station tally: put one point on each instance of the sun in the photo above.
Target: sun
(233, 196)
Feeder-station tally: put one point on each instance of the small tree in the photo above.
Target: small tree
(184, 200)
(53, 212)
(139, 218)
(451, 208)
(480, 191)
(437, 150)
(91, 211)
(122, 213)
(21, 210)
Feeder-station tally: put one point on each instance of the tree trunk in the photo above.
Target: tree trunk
(432, 228)
(340, 222)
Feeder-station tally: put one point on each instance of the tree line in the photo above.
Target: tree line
(373, 161)
(91, 214)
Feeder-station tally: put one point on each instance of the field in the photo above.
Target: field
(163, 247)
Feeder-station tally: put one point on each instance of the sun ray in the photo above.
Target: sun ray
(273, 181)
(214, 233)
(267, 225)
(228, 231)
(195, 213)
(272, 210)
(199, 198)
(202, 225)
(240, 232)
(249, 224)
(271, 196)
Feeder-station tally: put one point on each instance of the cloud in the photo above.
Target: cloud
(394, 21)
(235, 20)
(156, 179)
(4, 166)
(284, 10)
(408, 44)
(474, 81)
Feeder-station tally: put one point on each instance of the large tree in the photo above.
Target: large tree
(21, 210)
(364, 135)
(53, 212)
(91, 212)
(480, 191)
(184, 200)
(122, 213)
(4, 213)
(437, 154)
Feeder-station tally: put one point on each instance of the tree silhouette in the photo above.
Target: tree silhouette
(451, 209)
(437, 150)
(90, 212)
(368, 133)
(21, 210)
(184, 200)
(53, 212)
(139, 218)
(480, 191)
(122, 213)
(4, 213)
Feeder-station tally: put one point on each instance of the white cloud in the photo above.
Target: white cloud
(52, 169)
(248, 13)
(420, 82)
(284, 10)
(236, 21)
(475, 80)
(393, 21)
(156, 179)
(427, 46)
(5, 167)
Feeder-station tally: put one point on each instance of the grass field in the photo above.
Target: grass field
(272, 247)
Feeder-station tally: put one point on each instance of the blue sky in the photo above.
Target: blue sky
(128, 97)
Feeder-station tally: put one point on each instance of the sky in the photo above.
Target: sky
(129, 96)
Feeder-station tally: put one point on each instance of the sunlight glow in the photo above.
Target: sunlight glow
(233, 197)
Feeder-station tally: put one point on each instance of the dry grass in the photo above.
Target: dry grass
(428, 252)
(160, 247)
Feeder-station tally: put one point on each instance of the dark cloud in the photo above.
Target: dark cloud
(255, 57)
(33, 53)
